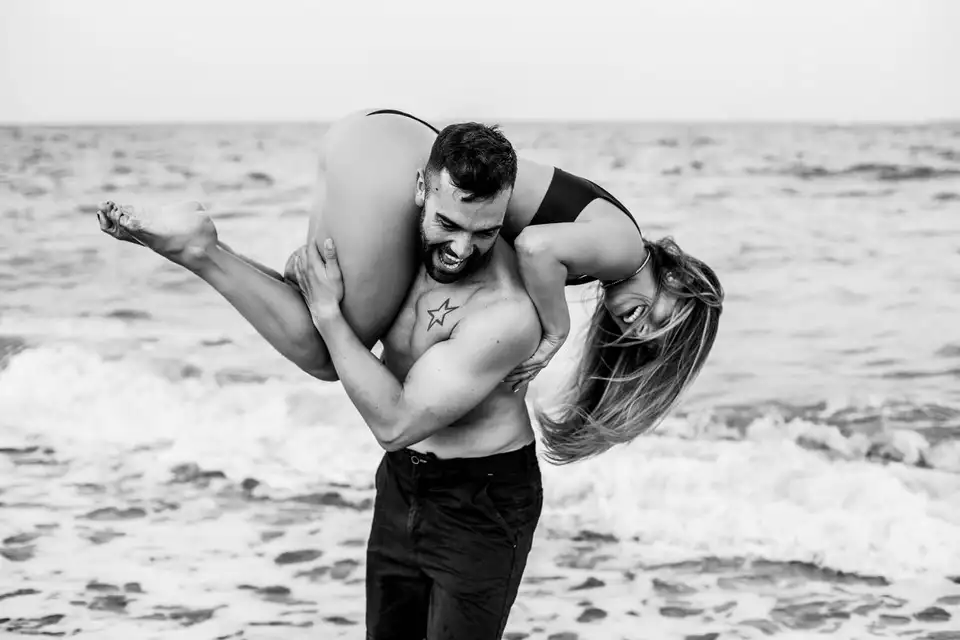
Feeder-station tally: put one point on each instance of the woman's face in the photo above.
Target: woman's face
(631, 299)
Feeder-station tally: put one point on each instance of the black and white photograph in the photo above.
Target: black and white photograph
(439, 320)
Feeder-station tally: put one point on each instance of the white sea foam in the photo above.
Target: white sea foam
(763, 496)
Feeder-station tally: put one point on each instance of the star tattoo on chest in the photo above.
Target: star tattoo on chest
(438, 315)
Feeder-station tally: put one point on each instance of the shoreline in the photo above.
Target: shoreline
(203, 556)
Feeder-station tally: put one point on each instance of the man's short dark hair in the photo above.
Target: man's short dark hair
(480, 159)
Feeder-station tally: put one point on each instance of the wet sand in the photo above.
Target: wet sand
(202, 555)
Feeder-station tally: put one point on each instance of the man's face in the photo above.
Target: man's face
(456, 237)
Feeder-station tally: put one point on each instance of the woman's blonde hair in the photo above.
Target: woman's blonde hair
(626, 384)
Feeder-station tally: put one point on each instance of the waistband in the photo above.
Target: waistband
(518, 461)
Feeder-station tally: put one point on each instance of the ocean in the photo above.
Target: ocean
(164, 473)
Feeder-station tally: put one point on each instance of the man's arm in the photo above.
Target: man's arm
(448, 381)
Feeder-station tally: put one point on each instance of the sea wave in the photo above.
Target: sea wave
(879, 171)
(841, 487)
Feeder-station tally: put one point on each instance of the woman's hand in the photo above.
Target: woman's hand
(528, 370)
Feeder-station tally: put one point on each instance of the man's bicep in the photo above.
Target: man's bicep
(456, 375)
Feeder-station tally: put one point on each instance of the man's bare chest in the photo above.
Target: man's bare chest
(428, 316)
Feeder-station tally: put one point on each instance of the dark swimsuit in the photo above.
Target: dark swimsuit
(566, 198)
(394, 112)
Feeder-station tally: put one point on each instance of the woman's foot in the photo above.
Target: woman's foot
(181, 233)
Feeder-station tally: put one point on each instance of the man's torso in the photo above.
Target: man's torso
(430, 315)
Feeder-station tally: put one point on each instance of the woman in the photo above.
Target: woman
(636, 363)
(648, 338)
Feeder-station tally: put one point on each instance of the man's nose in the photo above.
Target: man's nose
(461, 246)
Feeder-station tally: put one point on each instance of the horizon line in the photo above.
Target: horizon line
(504, 120)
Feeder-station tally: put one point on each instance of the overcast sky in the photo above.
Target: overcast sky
(212, 60)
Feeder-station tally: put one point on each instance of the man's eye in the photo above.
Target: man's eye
(446, 226)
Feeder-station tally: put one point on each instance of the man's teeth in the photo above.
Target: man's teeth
(633, 315)
(448, 261)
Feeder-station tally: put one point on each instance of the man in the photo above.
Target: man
(459, 492)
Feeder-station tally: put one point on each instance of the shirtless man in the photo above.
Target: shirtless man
(458, 490)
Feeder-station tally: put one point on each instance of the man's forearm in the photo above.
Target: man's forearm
(373, 389)
(274, 307)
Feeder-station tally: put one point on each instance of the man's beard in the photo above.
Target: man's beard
(430, 257)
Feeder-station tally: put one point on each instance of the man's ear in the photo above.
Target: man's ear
(420, 197)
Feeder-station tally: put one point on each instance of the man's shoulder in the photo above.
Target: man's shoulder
(510, 303)
(504, 310)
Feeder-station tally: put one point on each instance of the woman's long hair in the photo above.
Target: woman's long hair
(626, 384)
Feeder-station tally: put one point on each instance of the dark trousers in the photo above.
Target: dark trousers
(449, 544)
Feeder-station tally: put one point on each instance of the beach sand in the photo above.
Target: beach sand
(201, 555)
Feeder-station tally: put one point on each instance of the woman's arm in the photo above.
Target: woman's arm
(584, 233)
(603, 242)
(544, 277)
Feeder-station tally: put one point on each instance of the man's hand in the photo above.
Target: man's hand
(528, 369)
(183, 234)
(320, 280)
